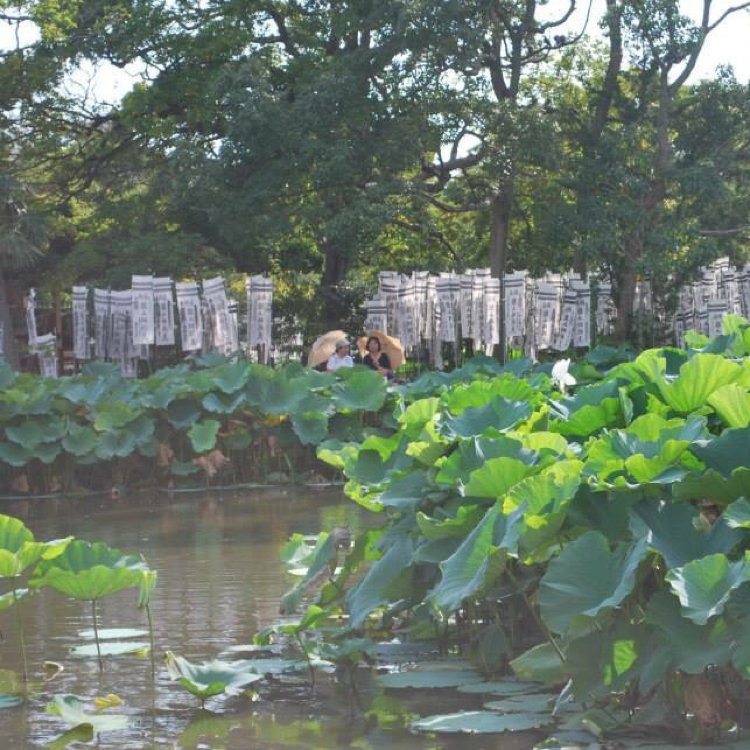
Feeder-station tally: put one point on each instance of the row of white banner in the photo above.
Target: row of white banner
(721, 290)
(553, 312)
(124, 324)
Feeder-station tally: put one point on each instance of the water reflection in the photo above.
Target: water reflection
(219, 582)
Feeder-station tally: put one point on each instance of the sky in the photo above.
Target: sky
(727, 45)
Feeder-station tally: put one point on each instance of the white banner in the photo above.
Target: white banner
(448, 292)
(407, 313)
(466, 281)
(491, 312)
(515, 304)
(259, 311)
(388, 291)
(101, 322)
(582, 331)
(31, 317)
(80, 323)
(142, 312)
(717, 310)
(45, 348)
(481, 276)
(217, 308)
(191, 319)
(120, 342)
(164, 303)
(546, 317)
(376, 315)
(564, 337)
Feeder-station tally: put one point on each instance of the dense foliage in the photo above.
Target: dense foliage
(240, 421)
(323, 141)
(599, 536)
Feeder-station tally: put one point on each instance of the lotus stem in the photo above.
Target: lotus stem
(96, 635)
(310, 667)
(19, 622)
(151, 640)
(537, 619)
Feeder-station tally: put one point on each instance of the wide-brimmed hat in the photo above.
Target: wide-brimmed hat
(325, 346)
(390, 345)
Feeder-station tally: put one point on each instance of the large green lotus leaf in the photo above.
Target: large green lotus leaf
(481, 722)
(311, 427)
(732, 404)
(359, 389)
(231, 378)
(106, 634)
(321, 558)
(18, 550)
(47, 452)
(478, 562)
(710, 485)
(590, 419)
(436, 550)
(432, 679)
(182, 413)
(406, 492)
(89, 571)
(112, 415)
(699, 378)
(704, 586)
(531, 703)
(14, 454)
(473, 453)
(498, 415)
(203, 435)
(121, 443)
(543, 442)
(737, 516)
(212, 678)
(689, 647)
(541, 663)
(417, 415)
(220, 403)
(81, 440)
(385, 446)
(587, 579)
(741, 650)
(671, 531)
(726, 452)
(111, 648)
(460, 525)
(70, 709)
(28, 435)
(548, 491)
(497, 476)
(507, 687)
(479, 392)
(383, 582)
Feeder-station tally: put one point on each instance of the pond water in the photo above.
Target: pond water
(220, 581)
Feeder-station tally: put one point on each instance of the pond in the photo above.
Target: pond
(220, 581)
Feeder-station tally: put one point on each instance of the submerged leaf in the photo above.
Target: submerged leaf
(450, 678)
(481, 722)
(70, 709)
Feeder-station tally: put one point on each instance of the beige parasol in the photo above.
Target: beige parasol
(324, 347)
(388, 344)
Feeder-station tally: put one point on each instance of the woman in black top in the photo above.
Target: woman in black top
(376, 359)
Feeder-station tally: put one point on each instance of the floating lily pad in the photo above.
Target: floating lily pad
(112, 634)
(443, 665)
(111, 648)
(419, 679)
(481, 722)
(9, 701)
(70, 709)
(519, 704)
(506, 687)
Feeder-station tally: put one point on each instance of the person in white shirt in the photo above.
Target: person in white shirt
(341, 357)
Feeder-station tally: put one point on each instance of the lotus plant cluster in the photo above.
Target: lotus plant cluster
(593, 536)
(217, 420)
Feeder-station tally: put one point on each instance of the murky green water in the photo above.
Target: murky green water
(220, 580)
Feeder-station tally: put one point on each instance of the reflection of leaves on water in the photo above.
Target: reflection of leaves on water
(82, 733)
(208, 727)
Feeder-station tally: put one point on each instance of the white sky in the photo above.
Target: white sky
(727, 45)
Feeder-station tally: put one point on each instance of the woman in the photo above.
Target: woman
(377, 360)
(341, 357)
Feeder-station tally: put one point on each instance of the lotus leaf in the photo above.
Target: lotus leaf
(18, 550)
(481, 722)
(531, 703)
(359, 389)
(380, 584)
(414, 417)
(203, 435)
(231, 378)
(320, 560)
(704, 586)
(183, 413)
(113, 633)
(460, 525)
(540, 663)
(672, 532)
(111, 648)
(588, 578)
(8, 600)
(497, 476)
(112, 415)
(497, 415)
(212, 678)
(407, 492)
(88, 572)
(14, 454)
(311, 427)
(505, 687)
(81, 440)
(70, 709)
(726, 452)
(737, 515)
(449, 678)
(10, 701)
(28, 434)
(732, 404)
(477, 563)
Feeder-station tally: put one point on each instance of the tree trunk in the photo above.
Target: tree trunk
(6, 326)
(334, 271)
(502, 211)
(626, 285)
